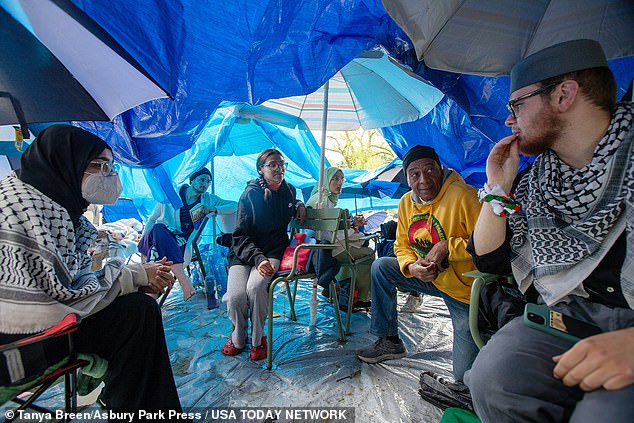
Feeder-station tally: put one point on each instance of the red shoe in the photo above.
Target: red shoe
(229, 348)
(259, 352)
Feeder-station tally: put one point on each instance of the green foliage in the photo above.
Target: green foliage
(358, 149)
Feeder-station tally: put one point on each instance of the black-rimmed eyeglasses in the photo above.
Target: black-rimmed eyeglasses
(276, 165)
(513, 105)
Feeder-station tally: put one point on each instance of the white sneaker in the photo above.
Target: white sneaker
(412, 304)
(91, 398)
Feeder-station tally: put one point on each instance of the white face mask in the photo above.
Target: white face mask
(100, 189)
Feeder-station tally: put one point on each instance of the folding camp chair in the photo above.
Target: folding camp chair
(224, 240)
(192, 242)
(26, 369)
(325, 220)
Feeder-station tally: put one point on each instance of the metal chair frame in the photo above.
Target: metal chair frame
(64, 328)
(196, 256)
(318, 220)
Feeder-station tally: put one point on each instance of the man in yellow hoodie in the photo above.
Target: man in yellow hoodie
(435, 220)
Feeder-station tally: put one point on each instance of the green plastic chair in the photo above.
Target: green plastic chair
(459, 415)
(480, 279)
(318, 220)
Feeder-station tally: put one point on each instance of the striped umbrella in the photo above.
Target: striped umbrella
(372, 91)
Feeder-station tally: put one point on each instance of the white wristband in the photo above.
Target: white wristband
(501, 203)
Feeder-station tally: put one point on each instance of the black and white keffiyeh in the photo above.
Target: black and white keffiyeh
(44, 263)
(569, 216)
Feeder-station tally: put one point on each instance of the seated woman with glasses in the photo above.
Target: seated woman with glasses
(168, 228)
(265, 209)
(333, 184)
(45, 268)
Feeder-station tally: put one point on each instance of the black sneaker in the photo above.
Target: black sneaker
(326, 293)
(362, 305)
(383, 349)
(443, 392)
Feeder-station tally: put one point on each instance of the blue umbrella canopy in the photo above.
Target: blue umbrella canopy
(371, 91)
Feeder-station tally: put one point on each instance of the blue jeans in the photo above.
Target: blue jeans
(160, 242)
(386, 276)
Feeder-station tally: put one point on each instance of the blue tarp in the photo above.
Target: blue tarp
(229, 146)
(249, 51)
(254, 50)
(230, 142)
(243, 51)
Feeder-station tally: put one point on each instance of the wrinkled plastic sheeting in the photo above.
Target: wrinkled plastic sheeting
(251, 50)
(242, 51)
(231, 141)
(311, 367)
(244, 130)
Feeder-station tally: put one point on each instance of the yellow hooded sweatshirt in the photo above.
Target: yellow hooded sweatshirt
(452, 216)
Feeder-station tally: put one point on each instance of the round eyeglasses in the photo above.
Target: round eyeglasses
(276, 165)
(106, 168)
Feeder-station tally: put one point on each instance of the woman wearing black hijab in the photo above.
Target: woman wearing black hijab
(45, 270)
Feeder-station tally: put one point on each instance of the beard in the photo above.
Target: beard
(548, 128)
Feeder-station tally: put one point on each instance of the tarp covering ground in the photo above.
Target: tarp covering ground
(312, 368)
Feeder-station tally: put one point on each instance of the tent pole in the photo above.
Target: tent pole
(213, 191)
(213, 174)
(322, 158)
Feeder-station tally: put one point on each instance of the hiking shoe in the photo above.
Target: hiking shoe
(259, 352)
(383, 349)
(412, 303)
(229, 348)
